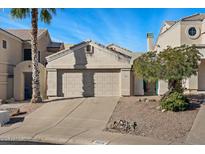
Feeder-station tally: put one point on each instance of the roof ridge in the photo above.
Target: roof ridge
(104, 46)
(120, 47)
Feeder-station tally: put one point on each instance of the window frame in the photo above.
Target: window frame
(4, 44)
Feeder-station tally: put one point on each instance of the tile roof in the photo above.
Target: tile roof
(10, 34)
(24, 34)
(198, 16)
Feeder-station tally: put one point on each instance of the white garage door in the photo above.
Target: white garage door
(79, 83)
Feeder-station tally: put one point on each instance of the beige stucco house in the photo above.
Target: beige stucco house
(15, 62)
(92, 69)
(188, 30)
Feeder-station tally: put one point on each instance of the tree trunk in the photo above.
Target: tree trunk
(36, 96)
(175, 85)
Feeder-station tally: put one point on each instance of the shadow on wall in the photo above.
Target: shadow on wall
(87, 75)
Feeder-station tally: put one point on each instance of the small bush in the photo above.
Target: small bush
(175, 101)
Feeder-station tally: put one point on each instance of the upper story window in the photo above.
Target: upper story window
(4, 44)
(27, 54)
(192, 31)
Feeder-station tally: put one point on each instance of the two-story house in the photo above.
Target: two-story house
(188, 30)
(15, 61)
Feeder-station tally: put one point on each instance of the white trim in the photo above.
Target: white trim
(198, 32)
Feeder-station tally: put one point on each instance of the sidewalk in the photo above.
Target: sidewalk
(197, 133)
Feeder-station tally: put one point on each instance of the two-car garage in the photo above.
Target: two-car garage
(77, 72)
(91, 82)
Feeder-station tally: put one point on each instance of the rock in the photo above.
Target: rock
(146, 101)
(11, 100)
(164, 110)
(158, 108)
(152, 100)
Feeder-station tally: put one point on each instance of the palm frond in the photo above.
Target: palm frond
(20, 13)
(46, 14)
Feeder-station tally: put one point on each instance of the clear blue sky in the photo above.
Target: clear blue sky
(125, 27)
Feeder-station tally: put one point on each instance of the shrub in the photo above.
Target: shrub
(175, 101)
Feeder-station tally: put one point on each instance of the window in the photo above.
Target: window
(192, 31)
(27, 54)
(4, 44)
(88, 48)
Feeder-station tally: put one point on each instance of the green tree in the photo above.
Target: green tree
(46, 17)
(171, 64)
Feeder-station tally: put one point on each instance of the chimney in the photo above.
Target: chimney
(150, 37)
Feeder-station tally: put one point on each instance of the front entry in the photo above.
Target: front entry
(27, 85)
(23, 81)
(150, 88)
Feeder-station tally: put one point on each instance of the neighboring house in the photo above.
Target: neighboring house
(92, 69)
(188, 30)
(15, 62)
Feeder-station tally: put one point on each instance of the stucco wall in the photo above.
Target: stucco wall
(101, 58)
(9, 57)
(52, 82)
(19, 71)
(43, 42)
(185, 39)
(170, 38)
(126, 82)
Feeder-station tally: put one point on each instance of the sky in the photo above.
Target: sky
(124, 27)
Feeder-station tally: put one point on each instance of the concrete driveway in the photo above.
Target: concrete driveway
(72, 121)
(58, 121)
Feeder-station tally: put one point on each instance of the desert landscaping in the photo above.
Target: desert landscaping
(151, 121)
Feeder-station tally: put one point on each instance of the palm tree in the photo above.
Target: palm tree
(46, 17)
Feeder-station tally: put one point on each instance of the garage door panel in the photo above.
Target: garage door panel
(79, 83)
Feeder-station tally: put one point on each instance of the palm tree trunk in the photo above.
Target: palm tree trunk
(36, 96)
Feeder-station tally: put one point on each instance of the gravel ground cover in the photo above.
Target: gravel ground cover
(152, 122)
